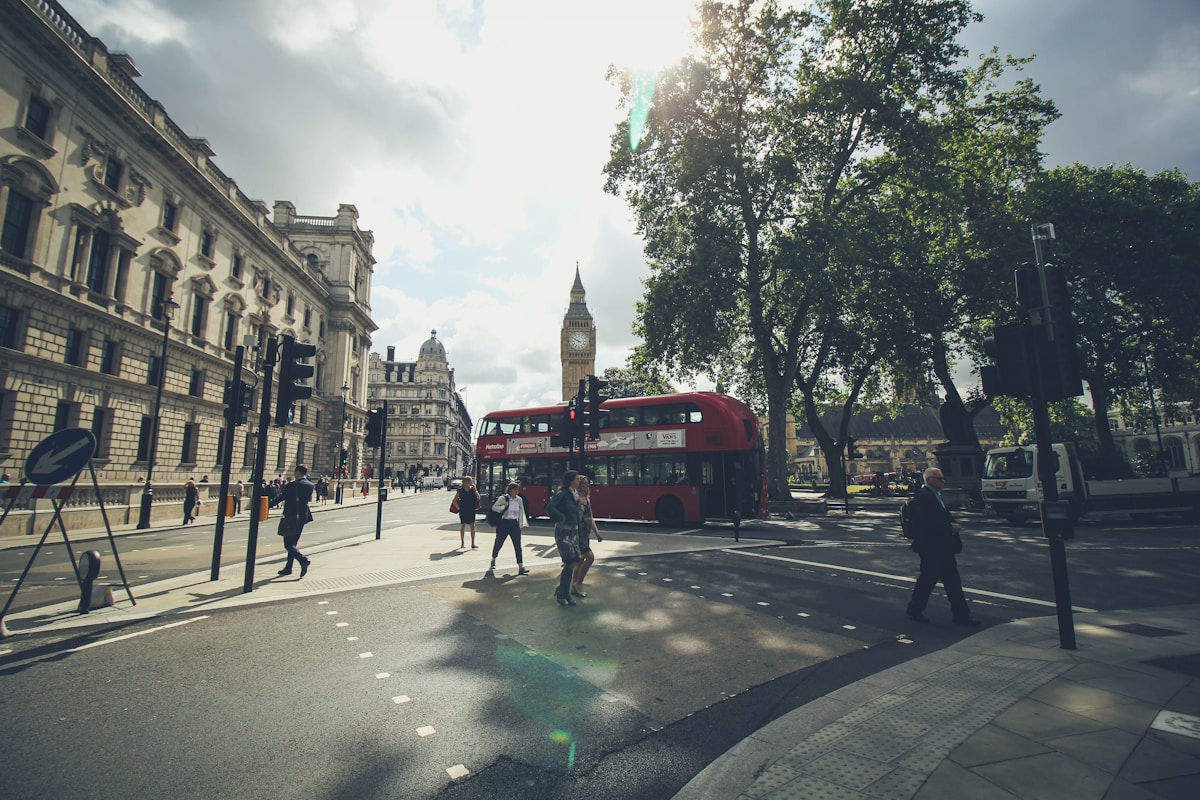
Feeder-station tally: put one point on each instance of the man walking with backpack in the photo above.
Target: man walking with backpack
(936, 539)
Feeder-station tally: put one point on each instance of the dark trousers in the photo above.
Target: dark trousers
(189, 512)
(290, 540)
(508, 529)
(942, 567)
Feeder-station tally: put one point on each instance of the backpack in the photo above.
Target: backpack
(908, 519)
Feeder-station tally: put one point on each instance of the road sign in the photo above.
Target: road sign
(60, 456)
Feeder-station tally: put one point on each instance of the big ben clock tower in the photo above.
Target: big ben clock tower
(578, 345)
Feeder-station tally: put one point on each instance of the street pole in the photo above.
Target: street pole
(231, 417)
(340, 468)
(379, 491)
(260, 459)
(168, 308)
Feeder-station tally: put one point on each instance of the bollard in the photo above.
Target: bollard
(229, 505)
(264, 503)
(90, 595)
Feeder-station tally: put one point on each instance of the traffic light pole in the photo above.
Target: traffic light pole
(379, 492)
(260, 459)
(231, 417)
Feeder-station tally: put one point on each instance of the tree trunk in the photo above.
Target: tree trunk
(958, 424)
(1111, 462)
(778, 458)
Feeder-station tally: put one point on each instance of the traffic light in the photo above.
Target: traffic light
(239, 397)
(292, 369)
(594, 414)
(1008, 375)
(852, 448)
(375, 423)
(1061, 364)
(345, 457)
(565, 435)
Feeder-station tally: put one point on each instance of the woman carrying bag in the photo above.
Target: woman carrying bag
(466, 501)
(511, 508)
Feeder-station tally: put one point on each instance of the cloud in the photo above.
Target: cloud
(471, 135)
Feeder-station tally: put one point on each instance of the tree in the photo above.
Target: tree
(635, 379)
(761, 155)
(1128, 241)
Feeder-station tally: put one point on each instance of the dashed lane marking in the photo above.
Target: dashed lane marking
(381, 675)
(457, 772)
(366, 655)
(426, 730)
(343, 625)
(351, 638)
(904, 579)
(401, 699)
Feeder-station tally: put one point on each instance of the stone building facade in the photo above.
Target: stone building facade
(428, 428)
(112, 216)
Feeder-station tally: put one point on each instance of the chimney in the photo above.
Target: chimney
(391, 353)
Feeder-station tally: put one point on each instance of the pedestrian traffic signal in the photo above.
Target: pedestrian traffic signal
(594, 413)
(292, 369)
(345, 457)
(1061, 364)
(239, 396)
(852, 448)
(375, 423)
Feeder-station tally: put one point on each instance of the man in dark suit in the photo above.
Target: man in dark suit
(295, 497)
(937, 541)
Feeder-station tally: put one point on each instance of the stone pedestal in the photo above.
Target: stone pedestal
(963, 467)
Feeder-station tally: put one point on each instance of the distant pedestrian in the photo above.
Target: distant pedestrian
(465, 503)
(4, 478)
(295, 496)
(191, 499)
(204, 479)
(937, 541)
(563, 508)
(513, 519)
(587, 530)
(366, 489)
(237, 491)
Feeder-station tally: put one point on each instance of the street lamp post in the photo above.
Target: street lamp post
(167, 307)
(342, 449)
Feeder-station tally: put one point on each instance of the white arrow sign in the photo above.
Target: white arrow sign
(52, 461)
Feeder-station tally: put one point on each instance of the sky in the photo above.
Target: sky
(472, 134)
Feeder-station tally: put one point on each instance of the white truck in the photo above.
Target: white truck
(1011, 488)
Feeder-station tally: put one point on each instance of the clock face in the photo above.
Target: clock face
(579, 341)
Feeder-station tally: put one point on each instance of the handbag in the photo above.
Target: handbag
(454, 504)
(493, 516)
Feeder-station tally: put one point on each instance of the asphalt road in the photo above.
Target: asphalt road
(293, 700)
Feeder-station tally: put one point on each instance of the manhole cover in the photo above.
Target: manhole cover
(1186, 665)
(1144, 630)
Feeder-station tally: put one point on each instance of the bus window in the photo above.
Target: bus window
(622, 418)
(694, 414)
(509, 426)
(599, 471)
(669, 470)
(624, 470)
(539, 424)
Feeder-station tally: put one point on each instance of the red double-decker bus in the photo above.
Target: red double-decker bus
(675, 458)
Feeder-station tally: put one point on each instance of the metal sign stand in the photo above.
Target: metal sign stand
(58, 496)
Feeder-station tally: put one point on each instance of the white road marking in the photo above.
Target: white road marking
(381, 675)
(366, 655)
(427, 730)
(342, 625)
(693, 587)
(726, 594)
(668, 580)
(850, 627)
(351, 638)
(802, 614)
(132, 635)
(330, 613)
(457, 772)
(322, 602)
(905, 579)
(761, 603)
(401, 698)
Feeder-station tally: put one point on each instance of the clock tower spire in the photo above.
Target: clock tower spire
(578, 343)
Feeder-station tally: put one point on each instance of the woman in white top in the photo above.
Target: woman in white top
(511, 508)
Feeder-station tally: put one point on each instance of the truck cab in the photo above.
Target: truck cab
(1010, 485)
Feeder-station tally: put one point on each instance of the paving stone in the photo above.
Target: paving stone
(1124, 790)
(1038, 721)
(847, 769)
(1106, 750)
(1077, 697)
(1050, 776)
(952, 782)
(1133, 717)
(1152, 761)
(1182, 788)
(810, 787)
(769, 780)
(993, 743)
(899, 784)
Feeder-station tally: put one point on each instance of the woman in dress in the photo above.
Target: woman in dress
(563, 508)
(468, 500)
(587, 529)
(511, 508)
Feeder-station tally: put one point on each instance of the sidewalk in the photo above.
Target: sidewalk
(1004, 713)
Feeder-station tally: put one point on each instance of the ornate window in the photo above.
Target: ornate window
(26, 187)
(36, 122)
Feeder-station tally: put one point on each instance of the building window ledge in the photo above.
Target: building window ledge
(205, 261)
(168, 235)
(35, 142)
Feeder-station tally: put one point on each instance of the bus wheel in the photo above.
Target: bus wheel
(669, 512)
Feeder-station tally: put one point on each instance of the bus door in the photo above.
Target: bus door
(713, 480)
